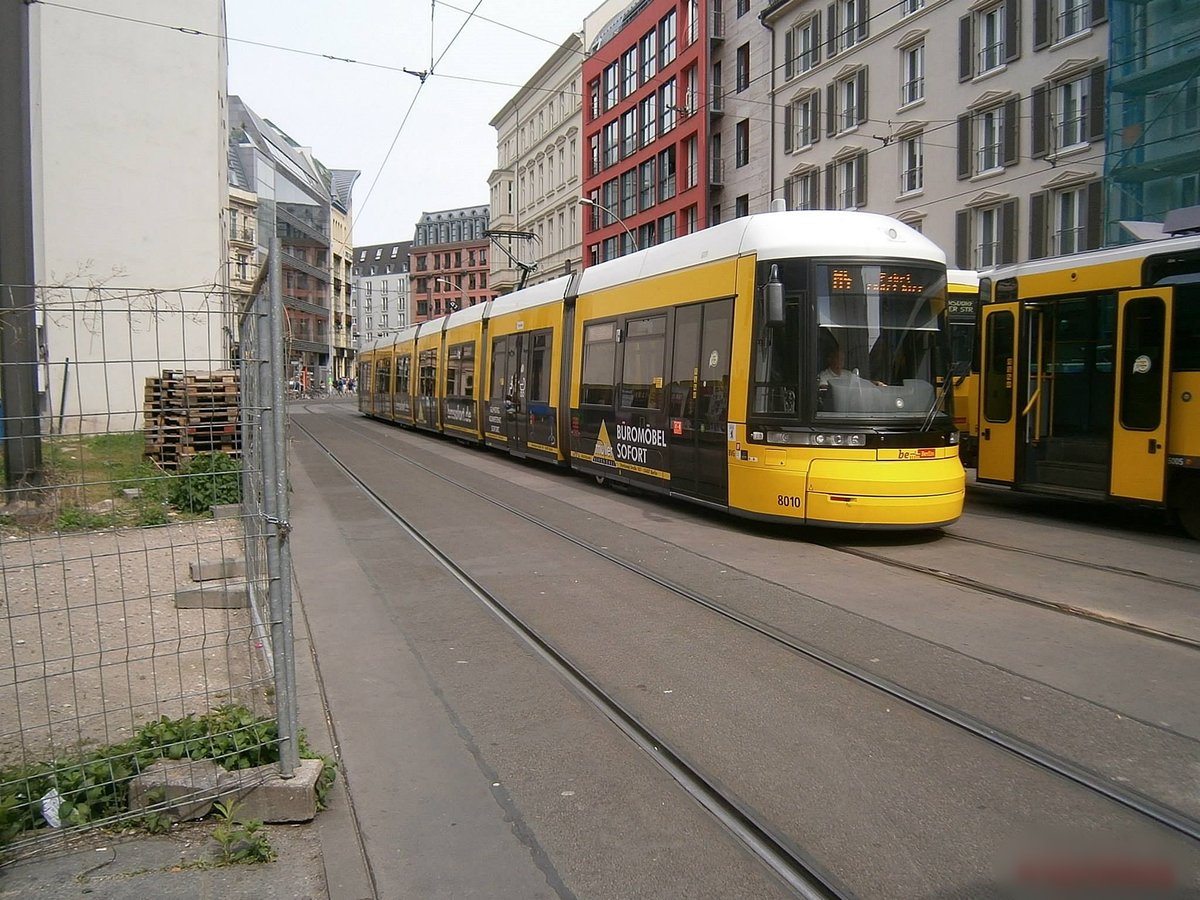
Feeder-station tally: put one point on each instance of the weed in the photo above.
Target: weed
(241, 842)
(208, 479)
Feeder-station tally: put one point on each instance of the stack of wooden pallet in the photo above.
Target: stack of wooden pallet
(192, 412)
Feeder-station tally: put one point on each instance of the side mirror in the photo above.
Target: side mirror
(773, 298)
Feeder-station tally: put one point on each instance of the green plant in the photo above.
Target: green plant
(206, 480)
(75, 518)
(241, 842)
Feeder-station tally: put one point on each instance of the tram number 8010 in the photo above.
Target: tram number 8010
(792, 502)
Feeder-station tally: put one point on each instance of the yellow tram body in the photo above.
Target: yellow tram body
(691, 369)
(1090, 376)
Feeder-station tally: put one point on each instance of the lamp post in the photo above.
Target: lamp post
(585, 201)
(466, 299)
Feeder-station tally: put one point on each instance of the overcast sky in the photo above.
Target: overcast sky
(351, 113)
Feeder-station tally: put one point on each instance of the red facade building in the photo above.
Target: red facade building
(645, 128)
(448, 262)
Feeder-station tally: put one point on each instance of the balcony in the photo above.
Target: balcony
(716, 103)
(242, 235)
(717, 173)
(716, 33)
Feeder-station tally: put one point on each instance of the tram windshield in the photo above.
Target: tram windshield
(881, 347)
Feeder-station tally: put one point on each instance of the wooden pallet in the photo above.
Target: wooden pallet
(190, 412)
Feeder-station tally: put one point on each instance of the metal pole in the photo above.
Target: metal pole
(18, 322)
(275, 502)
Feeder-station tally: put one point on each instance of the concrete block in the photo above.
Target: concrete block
(226, 510)
(266, 797)
(214, 596)
(187, 788)
(211, 571)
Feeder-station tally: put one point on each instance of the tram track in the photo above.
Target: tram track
(1069, 609)
(1094, 782)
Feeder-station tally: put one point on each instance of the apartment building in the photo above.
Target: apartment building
(448, 262)
(382, 295)
(535, 216)
(645, 129)
(982, 126)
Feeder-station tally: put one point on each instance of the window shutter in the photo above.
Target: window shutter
(789, 48)
(962, 239)
(1012, 30)
(831, 109)
(1099, 11)
(1012, 129)
(829, 188)
(965, 54)
(964, 146)
(862, 20)
(1008, 232)
(860, 88)
(1041, 24)
(1037, 224)
(860, 180)
(814, 184)
(1040, 127)
(787, 128)
(787, 192)
(831, 47)
(816, 44)
(1096, 104)
(815, 134)
(1093, 216)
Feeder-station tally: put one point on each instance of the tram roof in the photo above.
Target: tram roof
(1122, 253)
(773, 235)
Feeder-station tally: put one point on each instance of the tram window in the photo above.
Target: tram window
(777, 362)
(1143, 322)
(403, 366)
(539, 365)
(428, 382)
(382, 376)
(460, 370)
(499, 349)
(642, 377)
(599, 363)
(1185, 339)
(998, 393)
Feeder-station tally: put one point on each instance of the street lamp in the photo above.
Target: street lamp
(585, 201)
(457, 287)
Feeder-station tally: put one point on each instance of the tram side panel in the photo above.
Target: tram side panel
(458, 373)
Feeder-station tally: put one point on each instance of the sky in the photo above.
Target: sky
(351, 113)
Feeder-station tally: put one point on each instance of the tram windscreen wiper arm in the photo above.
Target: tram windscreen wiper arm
(938, 396)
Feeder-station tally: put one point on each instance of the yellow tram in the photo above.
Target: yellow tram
(962, 303)
(789, 366)
(1090, 376)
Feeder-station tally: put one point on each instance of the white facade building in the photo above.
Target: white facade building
(129, 158)
(536, 186)
(382, 293)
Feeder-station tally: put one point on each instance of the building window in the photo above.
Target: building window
(378, 253)
(666, 174)
(1069, 216)
(987, 139)
(908, 7)
(743, 7)
(629, 72)
(847, 102)
(689, 220)
(670, 113)
(666, 228)
(612, 86)
(1066, 220)
(1072, 18)
(743, 67)
(800, 128)
(629, 192)
(741, 206)
(594, 168)
(629, 133)
(691, 171)
(988, 39)
(666, 33)
(593, 102)
(912, 163)
(646, 190)
(986, 236)
(846, 182)
(612, 139)
(1068, 114)
(803, 191)
(848, 25)
(693, 21)
(912, 74)
(649, 48)
(649, 119)
(742, 146)
(1072, 108)
(802, 46)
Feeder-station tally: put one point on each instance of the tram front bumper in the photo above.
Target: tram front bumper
(885, 493)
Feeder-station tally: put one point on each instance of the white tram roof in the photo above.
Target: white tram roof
(773, 235)
(535, 295)
(963, 278)
(1120, 253)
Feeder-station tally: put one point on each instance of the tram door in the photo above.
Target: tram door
(998, 394)
(512, 350)
(1139, 428)
(699, 400)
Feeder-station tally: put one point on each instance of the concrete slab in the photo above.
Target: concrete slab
(226, 510)
(229, 567)
(221, 596)
(265, 796)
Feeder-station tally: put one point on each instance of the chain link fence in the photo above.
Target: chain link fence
(145, 578)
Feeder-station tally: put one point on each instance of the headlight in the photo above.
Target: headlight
(817, 439)
(954, 438)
